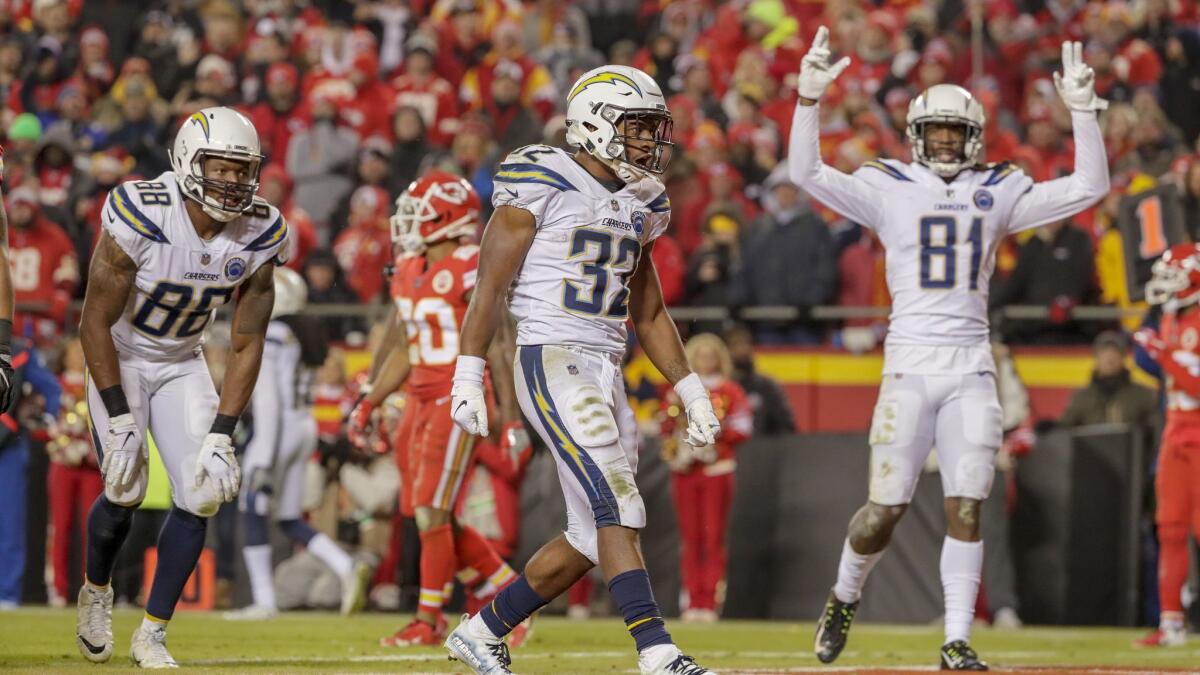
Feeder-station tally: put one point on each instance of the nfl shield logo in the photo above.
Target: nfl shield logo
(572, 369)
(205, 258)
(616, 206)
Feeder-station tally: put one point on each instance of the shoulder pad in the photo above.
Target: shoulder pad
(998, 172)
(532, 164)
(266, 224)
(887, 168)
(130, 202)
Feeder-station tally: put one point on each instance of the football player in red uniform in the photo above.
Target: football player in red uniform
(1175, 285)
(431, 288)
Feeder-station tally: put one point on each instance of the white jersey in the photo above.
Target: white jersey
(181, 279)
(572, 287)
(941, 238)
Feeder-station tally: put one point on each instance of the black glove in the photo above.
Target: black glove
(6, 369)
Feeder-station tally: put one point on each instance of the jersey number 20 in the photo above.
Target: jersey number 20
(578, 298)
(939, 255)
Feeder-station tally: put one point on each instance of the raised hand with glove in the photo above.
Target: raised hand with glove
(816, 73)
(1076, 83)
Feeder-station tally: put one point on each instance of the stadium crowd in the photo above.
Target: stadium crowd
(353, 100)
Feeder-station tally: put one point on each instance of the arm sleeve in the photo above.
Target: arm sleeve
(1054, 200)
(850, 196)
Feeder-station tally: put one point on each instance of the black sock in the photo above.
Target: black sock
(179, 547)
(107, 526)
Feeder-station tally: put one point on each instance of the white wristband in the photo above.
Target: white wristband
(469, 369)
(690, 390)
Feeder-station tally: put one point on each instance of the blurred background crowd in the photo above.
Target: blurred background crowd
(353, 99)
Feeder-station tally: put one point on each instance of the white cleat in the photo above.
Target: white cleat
(149, 648)
(93, 624)
(251, 613)
(668, 660)
(354, 588)
(484, 654)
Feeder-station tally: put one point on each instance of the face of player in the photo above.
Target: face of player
(643, 133)
(237, 172)
(1109, 361)
(945, 142)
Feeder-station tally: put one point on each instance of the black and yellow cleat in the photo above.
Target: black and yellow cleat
(958, 655)
(833, 628)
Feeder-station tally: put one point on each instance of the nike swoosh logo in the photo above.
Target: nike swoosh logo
(90, 647)
(513, 193)
(460, 405)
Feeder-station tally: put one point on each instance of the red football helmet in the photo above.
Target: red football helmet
(1175, 276)
(436, 207)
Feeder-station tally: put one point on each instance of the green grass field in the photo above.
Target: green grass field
(42, 641)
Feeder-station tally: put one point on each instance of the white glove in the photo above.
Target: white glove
(815, 72)
(122, 448)
(703, 425)
(216, 463)
(1077, 82)
(467, 405)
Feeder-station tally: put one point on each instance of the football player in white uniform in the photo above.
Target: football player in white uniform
(173, 249)
(940, 219)
(575, 232)
(284, 438)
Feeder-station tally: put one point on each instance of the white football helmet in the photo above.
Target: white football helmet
(291, 293)
(946, 104)
(601, 106)
(224, 133)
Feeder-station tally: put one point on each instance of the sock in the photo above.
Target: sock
(262, 583)
(179, 547)
(475, 552)
(853, 569)
(631, 591)
(961, 566)
(150, 623)
(107, 526)
(437, 567)
(328, 552)
(517, 602)
(1172, 566)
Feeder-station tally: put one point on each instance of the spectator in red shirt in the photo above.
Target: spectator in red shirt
(365, 248)
(369, 113)
(461, 42)
(702, 478)
(508, 58)
(421, 88)
(280, 114)
(45, 270)
(671, 264)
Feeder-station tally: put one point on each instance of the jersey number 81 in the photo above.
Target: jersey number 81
(939, 255)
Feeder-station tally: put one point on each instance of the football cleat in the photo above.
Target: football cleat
(93, 624)
(148, 649)
(833, 628)
(668, 660)
(484, 654)
(416, 634)
(251, 613)
(958, 655)
(1163, 637)
(354, 588)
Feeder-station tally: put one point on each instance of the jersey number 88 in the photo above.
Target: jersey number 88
(159, 313)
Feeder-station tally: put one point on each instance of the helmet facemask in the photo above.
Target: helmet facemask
(414, 212)
(223, 200)
(968, 154)
(645, 131)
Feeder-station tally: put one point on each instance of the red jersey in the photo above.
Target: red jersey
(432, 301)
(45, 272)
(1181, 366)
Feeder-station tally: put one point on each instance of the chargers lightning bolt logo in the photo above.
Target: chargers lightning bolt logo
(609, 77)
(200, 119)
